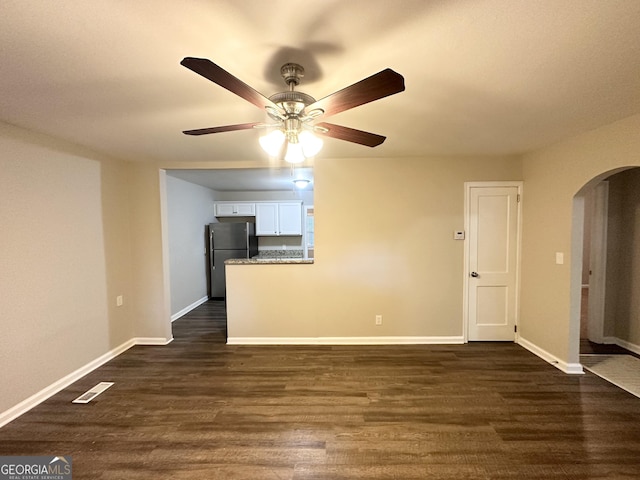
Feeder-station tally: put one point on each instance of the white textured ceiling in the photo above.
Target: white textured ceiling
(247, 179)
(482, 77)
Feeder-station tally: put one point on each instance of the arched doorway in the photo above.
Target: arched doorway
(604, 236)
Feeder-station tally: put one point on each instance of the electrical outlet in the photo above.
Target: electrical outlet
(119, 301)
(378, 319)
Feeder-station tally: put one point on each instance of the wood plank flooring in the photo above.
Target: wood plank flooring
(199, 409)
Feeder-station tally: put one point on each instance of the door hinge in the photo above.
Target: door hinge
(515, 328)
(518, 198)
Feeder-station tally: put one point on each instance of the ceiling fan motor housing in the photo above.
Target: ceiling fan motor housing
(292, 73)
(292, 102)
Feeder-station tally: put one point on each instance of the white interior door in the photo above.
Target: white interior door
(492, 225)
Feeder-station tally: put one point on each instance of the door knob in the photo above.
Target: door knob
(474, 274)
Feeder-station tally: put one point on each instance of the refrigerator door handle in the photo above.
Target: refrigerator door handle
(211, 262)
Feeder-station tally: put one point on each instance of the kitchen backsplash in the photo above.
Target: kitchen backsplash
(289, 253)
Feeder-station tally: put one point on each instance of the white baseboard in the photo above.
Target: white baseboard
(344, 340)
(187, 309)
(570, 368)
(632, 347)
(152, 341)
(36, 399)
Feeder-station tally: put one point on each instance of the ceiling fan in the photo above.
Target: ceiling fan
(295, 113)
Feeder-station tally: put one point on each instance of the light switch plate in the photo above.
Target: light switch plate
(559, 258)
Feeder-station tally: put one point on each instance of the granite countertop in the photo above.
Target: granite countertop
(291, 256)
(267, 260)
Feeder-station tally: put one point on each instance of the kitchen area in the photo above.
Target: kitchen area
(241, 216)
(248, 232)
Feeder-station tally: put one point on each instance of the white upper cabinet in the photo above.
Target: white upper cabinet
(279, 218)
(290, 218)
(235, 209)
(267, 219)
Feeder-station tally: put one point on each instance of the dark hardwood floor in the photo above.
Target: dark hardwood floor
(199, 409)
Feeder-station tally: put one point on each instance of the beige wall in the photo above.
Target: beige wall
(384, 245)
(151, 305)
(552, 178)
(64, 257)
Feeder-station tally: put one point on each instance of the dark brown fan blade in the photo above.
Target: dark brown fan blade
(226, 128)
(218, 75)
(380, 85)
(350, 134)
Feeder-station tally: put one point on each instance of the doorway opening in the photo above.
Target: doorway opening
(605, 269)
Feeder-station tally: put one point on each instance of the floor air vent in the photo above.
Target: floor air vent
(93, 393)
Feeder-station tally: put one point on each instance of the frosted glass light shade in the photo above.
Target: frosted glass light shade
(272, 142)
(294, 153)
(298, 148)
(311, 144)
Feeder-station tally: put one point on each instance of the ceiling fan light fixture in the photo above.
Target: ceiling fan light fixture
(300, 146)
(272, 142)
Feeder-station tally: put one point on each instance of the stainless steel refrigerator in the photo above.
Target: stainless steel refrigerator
(228, 240)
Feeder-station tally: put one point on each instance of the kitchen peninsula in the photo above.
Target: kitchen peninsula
(267, 304)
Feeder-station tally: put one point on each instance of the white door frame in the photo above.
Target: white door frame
(598, 262)
(466, 272)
